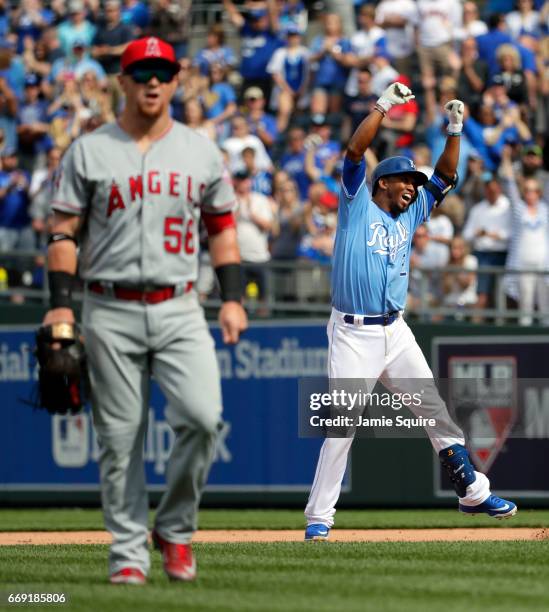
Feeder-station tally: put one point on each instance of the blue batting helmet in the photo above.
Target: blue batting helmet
(397, 165)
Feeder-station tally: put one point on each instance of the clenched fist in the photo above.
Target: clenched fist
(454, 111)
(396, 93)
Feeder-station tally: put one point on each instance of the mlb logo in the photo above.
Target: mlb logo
(483, 398)
(70, 440)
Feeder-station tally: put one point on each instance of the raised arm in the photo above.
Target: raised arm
(234, 14)
(507, 174)
(446, 165)
(272, 9)
(396, 93)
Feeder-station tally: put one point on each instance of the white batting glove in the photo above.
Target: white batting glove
(396, 93)
(454, 110)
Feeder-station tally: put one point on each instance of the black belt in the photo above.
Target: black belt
(385, 319)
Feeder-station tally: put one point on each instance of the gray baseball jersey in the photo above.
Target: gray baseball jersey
(142, 210)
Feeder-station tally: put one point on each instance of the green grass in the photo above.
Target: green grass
(289, 577)
(62, 519)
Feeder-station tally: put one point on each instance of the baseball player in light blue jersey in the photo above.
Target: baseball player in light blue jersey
(368, 338)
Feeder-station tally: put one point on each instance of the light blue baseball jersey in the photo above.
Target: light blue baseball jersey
(371, 258)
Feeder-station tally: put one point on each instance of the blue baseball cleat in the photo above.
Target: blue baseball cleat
(316, 532)
(493, 506)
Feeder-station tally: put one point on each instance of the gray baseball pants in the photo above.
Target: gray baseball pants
(126, 343)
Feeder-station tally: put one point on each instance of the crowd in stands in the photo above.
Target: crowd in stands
(283, 101)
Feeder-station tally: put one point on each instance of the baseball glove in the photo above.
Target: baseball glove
(62, 376)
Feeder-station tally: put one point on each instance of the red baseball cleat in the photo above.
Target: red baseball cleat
(128, 575)
(179, 561)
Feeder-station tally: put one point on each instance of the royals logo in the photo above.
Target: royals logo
(388, 244)
(483, 397)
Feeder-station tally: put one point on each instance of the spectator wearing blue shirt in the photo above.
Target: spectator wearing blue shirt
(258, 40)
(293, 15)
(15, 224)
(14, 70)
(331, 58)
(327, 149)
(8, 115)
(289, 68)
(262, 181)
(76, 27)
(136, 14)
(32, 120)
(322, 154)
(262, 124)
(497, 35)
(76, 65)
(317, 244)
(111, 40)
(4, 19)
(30, 20)
(499, 124)
(215, 51)
(359, 105)
(219, 101)
(293, 161)
(436, 122)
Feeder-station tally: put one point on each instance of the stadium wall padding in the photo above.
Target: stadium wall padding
(260, 460)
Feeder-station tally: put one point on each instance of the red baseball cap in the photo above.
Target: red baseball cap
(329, 200)
(147, 49)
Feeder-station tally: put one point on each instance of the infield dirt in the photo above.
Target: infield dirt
(222, 536)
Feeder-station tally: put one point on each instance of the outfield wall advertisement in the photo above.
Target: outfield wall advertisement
(258, 450)
(507, 424)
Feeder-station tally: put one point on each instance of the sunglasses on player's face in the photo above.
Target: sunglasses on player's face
(142, 76)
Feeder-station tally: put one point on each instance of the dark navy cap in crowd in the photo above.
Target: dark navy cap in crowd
(257, 13)
(319, 119)
(240, 175)
(293, 30)
(32, 79)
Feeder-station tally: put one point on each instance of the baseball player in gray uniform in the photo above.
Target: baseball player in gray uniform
(132, 194)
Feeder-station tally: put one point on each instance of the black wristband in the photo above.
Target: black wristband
(229, 277)
(452, 181)
(60, 284)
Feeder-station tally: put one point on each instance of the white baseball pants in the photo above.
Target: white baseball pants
(391, 354)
